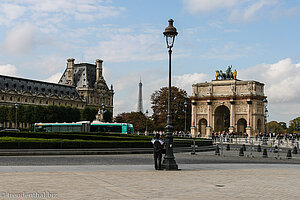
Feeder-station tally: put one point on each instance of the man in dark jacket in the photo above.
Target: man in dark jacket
(157, 150)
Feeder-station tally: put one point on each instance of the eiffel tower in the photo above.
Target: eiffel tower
(140, 98)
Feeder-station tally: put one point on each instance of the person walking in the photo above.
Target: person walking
(158, 145)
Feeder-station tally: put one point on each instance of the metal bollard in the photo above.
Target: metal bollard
(194, 148)
(217, 153)
(289, 154)
(265, 153)
(258, 148)
(244, 147)
(228, 147)
(241, 152)
(295, 151)
(275, 149)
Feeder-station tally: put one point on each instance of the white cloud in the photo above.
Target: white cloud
(125, 47)
(238, 11)
(54, 78)
(282, 82)
(49, 64)
(20, 39)
(252, 11)
(195, 6)
(186, 81)
(10, 12)
(8, 69)
(50, 16)
(229, 51)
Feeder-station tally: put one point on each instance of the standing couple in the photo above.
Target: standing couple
(158, 150)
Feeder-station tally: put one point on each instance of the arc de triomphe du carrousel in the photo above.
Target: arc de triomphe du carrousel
(227, 104)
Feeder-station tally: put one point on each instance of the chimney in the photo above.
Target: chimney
(98, 69)
(70, 71)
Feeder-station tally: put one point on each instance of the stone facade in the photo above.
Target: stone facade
(227, 105)
(81, 85)
(30, 92)
(89, 82)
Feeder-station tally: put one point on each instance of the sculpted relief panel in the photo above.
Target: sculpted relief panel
(242, 89)
(241, 108)
(222, 90)
(202, 108)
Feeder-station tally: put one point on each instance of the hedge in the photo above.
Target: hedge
(79, 135)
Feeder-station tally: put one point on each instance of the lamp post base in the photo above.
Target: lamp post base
(169, 164)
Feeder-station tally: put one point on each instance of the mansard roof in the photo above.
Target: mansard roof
(36, 87)
(84, 75)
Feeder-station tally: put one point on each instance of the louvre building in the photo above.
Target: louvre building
(81, 85)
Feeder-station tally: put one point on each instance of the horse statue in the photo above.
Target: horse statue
(229, 74)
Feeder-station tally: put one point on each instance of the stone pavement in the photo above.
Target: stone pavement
(193, 181)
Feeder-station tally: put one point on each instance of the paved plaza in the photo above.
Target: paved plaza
(128, 178)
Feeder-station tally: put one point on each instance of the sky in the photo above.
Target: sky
(259, 38)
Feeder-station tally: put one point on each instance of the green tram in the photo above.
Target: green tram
(84, 126)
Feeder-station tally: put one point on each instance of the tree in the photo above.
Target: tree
(138, 119)
(89, 114)
(107, 116)
(11, 115)
(294, 125)
(283, 125)
(29, 114)
(274, 127)
(3, 114)
(159, 101)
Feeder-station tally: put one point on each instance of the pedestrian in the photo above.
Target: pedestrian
(158, 145)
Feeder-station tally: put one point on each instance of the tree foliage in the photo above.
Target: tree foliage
(138, 119)
(36, 113)
(294, 125)
(3, 114)
(159, 101)
(107, 116)
(274, 127)
(89, 114)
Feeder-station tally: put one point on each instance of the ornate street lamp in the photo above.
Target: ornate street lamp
(146, 121)
(266, 115)
(16, 125)
(169, 162)
(185, 110)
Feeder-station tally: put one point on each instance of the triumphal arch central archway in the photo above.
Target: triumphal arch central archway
(227, 104)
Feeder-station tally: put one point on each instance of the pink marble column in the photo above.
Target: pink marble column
(208, 114)
(249, 102)
(231, 113)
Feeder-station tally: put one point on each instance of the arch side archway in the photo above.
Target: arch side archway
(202, 127)
(241, 126)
